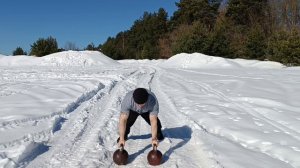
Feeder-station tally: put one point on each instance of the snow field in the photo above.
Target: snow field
(62, 110)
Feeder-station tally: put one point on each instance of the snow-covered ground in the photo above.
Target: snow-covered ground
(62, 111)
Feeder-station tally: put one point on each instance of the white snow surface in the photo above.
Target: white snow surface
(62, 110)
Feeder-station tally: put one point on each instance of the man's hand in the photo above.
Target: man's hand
(122, 142)
(155, 142)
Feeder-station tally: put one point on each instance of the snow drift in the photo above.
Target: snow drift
(198, 60)
(66, 58)
(78, 58)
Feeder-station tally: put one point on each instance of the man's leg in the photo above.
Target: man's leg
(130, 121)
(146, 117)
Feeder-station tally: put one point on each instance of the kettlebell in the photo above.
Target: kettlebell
(154, 156)
(120, 156)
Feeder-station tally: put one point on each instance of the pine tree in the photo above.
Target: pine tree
(219, 43)
(246, 12)
(189, 11)
(194, 39)
(141, 40)
(44, 47)
(19, 51)
(284, 47)
(256, 44)
(91, 47)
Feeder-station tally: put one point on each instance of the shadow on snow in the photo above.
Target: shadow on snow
(183, 133)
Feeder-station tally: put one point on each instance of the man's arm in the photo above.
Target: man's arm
(153, 121)
(122, 127)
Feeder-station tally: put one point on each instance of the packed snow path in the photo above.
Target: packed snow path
(211, 118)
(88, 137)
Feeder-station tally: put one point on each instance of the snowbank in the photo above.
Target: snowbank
(66, 58)
(258, 64)
(198, 60)
(19, 61)
(293, 68)
(78, 58)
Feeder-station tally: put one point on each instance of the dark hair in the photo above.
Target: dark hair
(140, 95)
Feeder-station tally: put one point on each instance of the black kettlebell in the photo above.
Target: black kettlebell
(154, 156)
(120, 156)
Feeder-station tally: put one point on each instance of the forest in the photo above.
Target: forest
(256, 29)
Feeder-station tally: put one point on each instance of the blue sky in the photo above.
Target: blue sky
(22, 22)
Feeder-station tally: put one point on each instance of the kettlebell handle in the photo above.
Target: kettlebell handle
(122, 147)
(155, 147)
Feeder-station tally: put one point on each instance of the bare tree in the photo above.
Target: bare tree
(285, 13)
(71, 46)
(294, 5)
(165, 50)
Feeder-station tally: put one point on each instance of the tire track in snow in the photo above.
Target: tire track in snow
(111, 113)
(136, 148)
(179, 137)
(37, 140)
(70, 107)
(54, 120)
(81, 108)
(46, 140)
(26, 79)
(200, 130)
(88, 147)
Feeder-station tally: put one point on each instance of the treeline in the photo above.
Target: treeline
(256, 29)
(49, 45)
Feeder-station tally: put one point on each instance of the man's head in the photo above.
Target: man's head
(140, 96)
